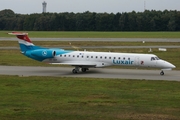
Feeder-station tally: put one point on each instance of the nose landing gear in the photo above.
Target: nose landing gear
(162, 73)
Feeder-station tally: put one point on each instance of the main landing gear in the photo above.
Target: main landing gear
(76, 70)
(162, 73)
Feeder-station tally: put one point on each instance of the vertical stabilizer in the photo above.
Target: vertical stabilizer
(24, 41)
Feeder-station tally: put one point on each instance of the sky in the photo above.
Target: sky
(98, 6)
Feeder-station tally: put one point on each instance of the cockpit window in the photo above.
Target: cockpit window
(157, 58)
(154, 58)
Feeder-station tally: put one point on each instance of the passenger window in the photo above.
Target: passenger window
(101, 57)
(109, 57)
(96, 56)
(114, 57)
(77, 55)
(119, 58)
(60, 55)
(105, 57)
(64, 55)
(91, 56)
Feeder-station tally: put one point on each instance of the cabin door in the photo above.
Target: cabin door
(137, 61)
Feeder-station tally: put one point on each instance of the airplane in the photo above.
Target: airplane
(84, 59)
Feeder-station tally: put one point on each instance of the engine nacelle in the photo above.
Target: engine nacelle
(43, 53)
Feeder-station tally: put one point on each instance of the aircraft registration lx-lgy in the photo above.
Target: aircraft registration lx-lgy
(85, 59)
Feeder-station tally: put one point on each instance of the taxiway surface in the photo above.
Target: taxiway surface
(93, 73)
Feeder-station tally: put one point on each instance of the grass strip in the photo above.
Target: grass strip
(91, 34)
(86, 98)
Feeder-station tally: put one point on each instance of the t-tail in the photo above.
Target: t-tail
(30, 50)
(24, 42)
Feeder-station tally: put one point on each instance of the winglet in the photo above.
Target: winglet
(22, 36)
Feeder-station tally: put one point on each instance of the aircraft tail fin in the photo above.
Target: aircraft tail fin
(24, 41)
(22, 36)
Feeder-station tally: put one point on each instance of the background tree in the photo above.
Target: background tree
(91, 21)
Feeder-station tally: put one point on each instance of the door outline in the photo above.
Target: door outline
(137, 61)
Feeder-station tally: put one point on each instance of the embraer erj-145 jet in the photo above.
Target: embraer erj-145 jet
(85, 59)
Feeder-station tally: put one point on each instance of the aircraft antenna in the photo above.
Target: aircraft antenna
(74, 47)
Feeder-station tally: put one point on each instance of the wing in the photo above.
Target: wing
(77, 63)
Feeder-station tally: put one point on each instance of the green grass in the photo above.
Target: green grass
(54, 98)
(59, 34)
(15, 58)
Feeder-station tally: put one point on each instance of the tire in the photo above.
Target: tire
(83, 69)
(161, 73)
(74, 71)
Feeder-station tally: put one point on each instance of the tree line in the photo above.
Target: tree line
(90, 21)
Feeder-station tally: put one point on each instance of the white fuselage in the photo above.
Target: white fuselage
(84, 59)
(103, 59)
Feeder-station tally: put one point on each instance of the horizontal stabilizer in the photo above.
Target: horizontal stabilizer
(17, 33)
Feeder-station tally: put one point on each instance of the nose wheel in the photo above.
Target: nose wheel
(162, 73)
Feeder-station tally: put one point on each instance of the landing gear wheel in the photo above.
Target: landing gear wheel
(74, 71)
(161, 73)
(83, 69)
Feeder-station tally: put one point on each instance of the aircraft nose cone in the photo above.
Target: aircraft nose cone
(173, 66)
(169, 65)
(166, 65)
